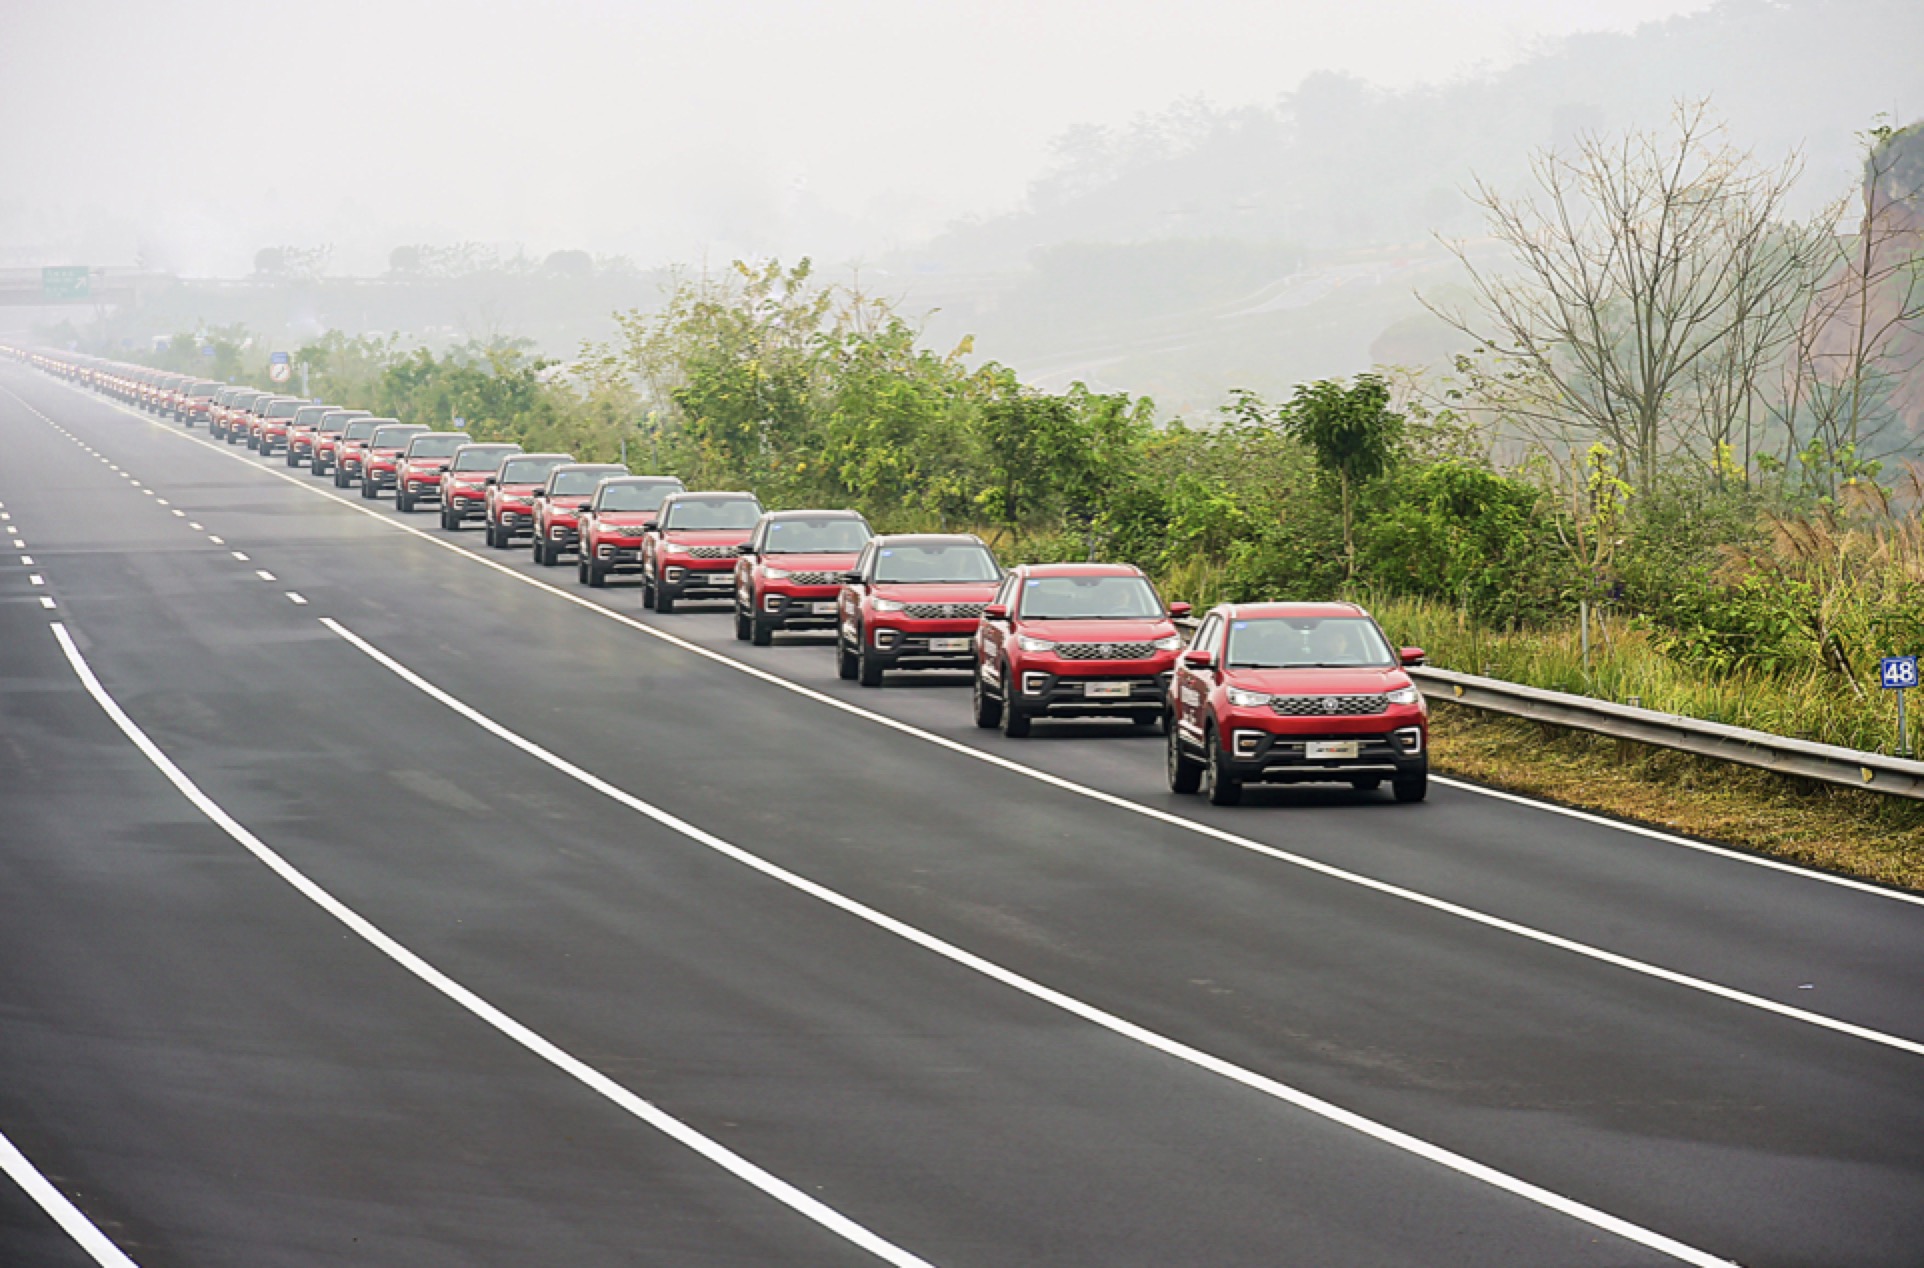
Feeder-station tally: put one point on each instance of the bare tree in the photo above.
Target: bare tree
(1656, 280)
(1862, 333)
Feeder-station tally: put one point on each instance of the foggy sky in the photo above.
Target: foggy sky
(195, 132)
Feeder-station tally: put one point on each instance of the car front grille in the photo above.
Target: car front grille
(815, 578)
(710, 552)
(1106, 651)
(627, 530)
(1328, 706)
(944, 611)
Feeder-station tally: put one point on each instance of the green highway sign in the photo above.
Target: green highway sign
(66, 281)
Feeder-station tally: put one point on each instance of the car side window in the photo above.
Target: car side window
(1205, 640)
(865, 563)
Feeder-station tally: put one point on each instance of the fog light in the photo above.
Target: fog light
(674, 576)
(1246, 743)
(556, 534)
(886, 639)
(1034, 684)
(1409, 740)
(604, 552)
(771, 603)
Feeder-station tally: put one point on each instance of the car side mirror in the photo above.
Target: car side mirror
(649, 526)
(1177, 611)
(1199, 659)
(851, 578)
(541, 493)
(746, 548)
(1413, 656)
(489, 480)
(996, 612)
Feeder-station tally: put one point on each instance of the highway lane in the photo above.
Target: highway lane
(1288, 971)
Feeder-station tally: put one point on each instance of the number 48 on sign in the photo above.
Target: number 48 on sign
(1899, 674)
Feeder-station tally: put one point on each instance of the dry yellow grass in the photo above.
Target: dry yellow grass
(1843, 830)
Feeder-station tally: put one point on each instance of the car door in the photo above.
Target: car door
(1189, 689)
(850, 614)
(991, 635)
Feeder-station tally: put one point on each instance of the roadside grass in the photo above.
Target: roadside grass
(1845, 830)
(1812, 704)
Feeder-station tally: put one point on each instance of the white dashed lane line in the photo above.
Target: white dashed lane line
(45, 602)
(240, 555)
(264, 574)
(27, 560)
(295, 598)
(34, 578)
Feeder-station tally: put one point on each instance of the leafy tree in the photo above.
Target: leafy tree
(1353, 434)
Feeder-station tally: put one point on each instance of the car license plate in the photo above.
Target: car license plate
(948, 644)
(1330, 748)
(823, 609)
(1105, 690)
(715, 580)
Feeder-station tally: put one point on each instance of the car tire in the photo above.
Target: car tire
(1185, 772)
(868, 672)
(664, 603)
(744, 624)
(987, 709)
(340, 477)
(290, 459)
(369, 489)
(1411, 788)
(1015, 720)
(760, 632)
(1219, 786)
(846, 664)
(594, 574)
(540, 550)
(647, 589)
(403, 503)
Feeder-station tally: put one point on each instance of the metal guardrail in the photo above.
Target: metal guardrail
(1897, 776)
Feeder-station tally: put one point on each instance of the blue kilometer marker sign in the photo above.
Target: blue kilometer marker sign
(1897, 673)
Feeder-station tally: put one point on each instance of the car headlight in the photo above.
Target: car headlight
(775, 574)
(889, 605)
(1028, 644)
(1403, 695)
(1171, 644)
(1247, 699)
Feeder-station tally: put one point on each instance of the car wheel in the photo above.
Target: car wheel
(664, 602)
(846, 665)
(987, 709)
(369, 489)
(1367, 784)
(647, 589)
(1185, 772)
(868, 670)
(404, 504)
(596, 575)
(290, 459)
(1015, 720)
(1218, 785)
(760, 632)
(1411, 787)
(744, 624)
(340, 478)
(540, 549)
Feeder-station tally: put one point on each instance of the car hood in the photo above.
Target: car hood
(706, 536)
(1318, 682)
(927, 592)
(811, 563)
(1099, 631)
(429, 464)
(623, 519)
(518, 490)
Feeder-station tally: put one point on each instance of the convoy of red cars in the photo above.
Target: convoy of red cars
(1258, 693)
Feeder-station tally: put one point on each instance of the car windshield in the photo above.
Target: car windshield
(434, 446)
(359, 429)
(336, 422)
(1089, 599)
(576, 483)
(713, 513)
(203, 389)
(392, 437)
(635, 497)
(1307, 642)
(481, 459)
(283, 409)
(829, 535)
(308, 415)
(964, 561)
(529, 470)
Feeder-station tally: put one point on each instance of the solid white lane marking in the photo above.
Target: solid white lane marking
(741, 1168)
(296, 598)
(1036, 990)
(240, 555)
(1198, 827)
(51, 1200)
(46, 602)
(264, 574)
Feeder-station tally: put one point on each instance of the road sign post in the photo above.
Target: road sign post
(280, 367)
(1899, 674)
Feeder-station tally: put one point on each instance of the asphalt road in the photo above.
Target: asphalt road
(531, 936)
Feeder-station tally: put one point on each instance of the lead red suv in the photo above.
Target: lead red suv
(558, 503)
(689, 549)
(1295, 693)
(464, 488)
(419, 468)
(791, 571)
(510, 509)
(613, 525)
(1074, 640)
(381, 457)
(913, 601)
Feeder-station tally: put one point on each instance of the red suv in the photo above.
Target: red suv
(689, 549)
(510, 509)
(1295, 693)
(913, 601)
(322, 455)
(381, 458)
(300, 432)
(614, 523)
(464, 489)
(1074, 640)
(419, 469)
(350, 451)
(270, 427)
(196, 401)
(791, 571)
(558, 502)
(227, 417)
